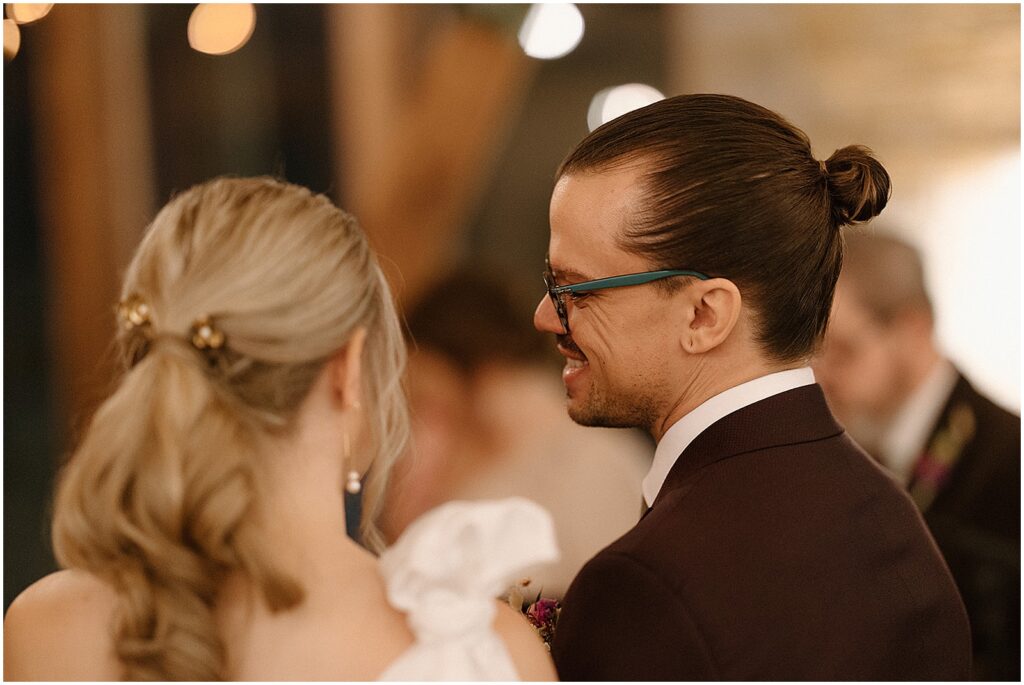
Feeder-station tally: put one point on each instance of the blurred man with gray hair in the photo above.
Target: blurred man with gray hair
(956, 452)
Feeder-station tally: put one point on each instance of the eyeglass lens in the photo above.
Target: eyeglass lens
(556, 299)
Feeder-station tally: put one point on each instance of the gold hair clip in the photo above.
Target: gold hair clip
(133, 312)
(205, 335)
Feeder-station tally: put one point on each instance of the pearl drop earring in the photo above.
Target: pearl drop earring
(353, 483)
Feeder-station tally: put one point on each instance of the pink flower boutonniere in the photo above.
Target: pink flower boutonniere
(542, 613)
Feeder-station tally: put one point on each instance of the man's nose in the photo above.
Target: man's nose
(545, 318)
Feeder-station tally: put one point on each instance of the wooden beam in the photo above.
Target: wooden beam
(128, 125)
(368, 48)
(415, 159)
(95, 184)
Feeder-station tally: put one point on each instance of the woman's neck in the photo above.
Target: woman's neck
(302, 507)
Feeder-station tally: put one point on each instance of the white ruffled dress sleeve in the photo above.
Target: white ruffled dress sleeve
(445, 573)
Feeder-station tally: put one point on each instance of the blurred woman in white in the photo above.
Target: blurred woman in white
(201, 520)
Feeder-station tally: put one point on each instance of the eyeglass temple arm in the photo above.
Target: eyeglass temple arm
(629, 279)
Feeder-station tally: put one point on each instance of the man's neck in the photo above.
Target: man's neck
(677, 438)
(921, 367)
(709, 380)
(907, 430)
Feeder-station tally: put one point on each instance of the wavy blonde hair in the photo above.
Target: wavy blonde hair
(160, 497)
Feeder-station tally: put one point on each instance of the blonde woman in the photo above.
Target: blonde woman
(201, 521)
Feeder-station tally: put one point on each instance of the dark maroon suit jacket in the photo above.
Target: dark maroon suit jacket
(975, 520)
(776, 550)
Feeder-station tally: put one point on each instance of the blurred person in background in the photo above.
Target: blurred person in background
(201, 522)
(956, 451)
(488, 420)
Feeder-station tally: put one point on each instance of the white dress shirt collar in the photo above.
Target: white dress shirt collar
(905, 436)
(679, 436)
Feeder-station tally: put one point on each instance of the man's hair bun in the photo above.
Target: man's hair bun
(858, 183)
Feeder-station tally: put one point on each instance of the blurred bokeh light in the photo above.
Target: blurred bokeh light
(551, 31)
(12, 39)
(613, 102)
(221, 29)
(26, 13)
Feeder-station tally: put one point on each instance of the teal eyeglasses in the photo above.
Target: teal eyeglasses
(557, 293)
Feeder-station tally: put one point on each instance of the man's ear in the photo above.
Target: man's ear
(712, 308)
(345, 370)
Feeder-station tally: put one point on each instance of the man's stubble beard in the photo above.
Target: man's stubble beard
(615, 409)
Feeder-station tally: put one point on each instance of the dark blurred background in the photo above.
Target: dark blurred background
(432, 125)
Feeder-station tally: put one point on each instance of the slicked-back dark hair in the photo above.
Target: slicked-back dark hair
(732, 189)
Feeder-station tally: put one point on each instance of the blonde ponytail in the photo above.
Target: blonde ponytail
(158, 498)
(161, 498)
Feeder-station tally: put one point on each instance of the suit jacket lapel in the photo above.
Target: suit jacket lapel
(953, 431)
(794, 416)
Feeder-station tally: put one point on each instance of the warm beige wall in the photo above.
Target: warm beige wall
(924, 85)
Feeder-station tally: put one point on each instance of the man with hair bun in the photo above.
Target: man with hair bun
(695, 245)
(955, 451)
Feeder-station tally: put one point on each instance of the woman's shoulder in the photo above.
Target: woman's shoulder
(59, 628)
(531, 657)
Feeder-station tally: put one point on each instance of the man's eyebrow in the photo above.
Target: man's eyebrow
(570, 274)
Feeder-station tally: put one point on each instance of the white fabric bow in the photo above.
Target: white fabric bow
(446, 572)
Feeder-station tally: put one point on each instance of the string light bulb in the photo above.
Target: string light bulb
(26, 13)
(613, 102)
(551, 31)
(218, 29)
(12, 39)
